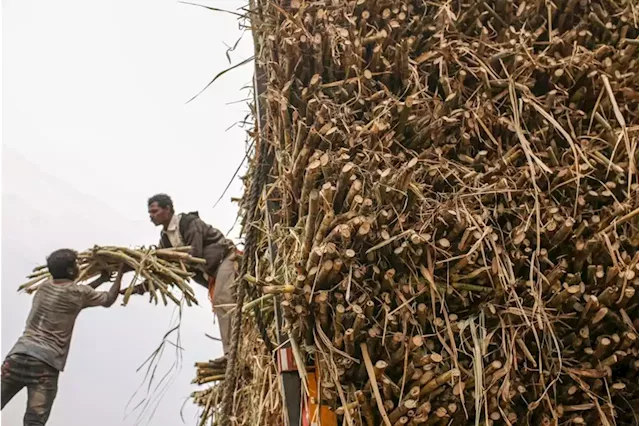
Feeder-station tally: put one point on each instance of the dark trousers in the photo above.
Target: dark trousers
(41, 381)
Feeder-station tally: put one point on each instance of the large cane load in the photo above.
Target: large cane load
(449, 220)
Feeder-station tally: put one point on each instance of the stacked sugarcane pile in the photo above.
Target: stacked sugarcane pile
(450, 224)
(157, 271)
(256, 402)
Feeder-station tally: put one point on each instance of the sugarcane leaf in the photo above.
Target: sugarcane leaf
(214, 9)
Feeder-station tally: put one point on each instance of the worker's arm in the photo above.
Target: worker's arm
(104, 298)
(106, 276)
(137, 289)
(200, 279)
(195, 236)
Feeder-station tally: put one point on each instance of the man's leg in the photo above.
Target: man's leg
(41, 394)
(11, 384)
(223, 298)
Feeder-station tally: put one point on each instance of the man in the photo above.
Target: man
(40, 354)
(218, 274)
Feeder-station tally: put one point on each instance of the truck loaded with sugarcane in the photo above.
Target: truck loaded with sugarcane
(440, 220)
(440, 217)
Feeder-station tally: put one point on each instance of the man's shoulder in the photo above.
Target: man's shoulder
(63, 286)
(188, 219)
(82, 290)
(189, 216)
(193, 223)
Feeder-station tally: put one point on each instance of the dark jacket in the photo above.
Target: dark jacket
(206, 242)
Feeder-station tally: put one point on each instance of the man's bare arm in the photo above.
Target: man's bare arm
(103, 298)
(115, 288)
(103, 278)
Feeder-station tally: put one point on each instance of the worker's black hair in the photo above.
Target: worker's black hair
(163, 201)
(62, 264)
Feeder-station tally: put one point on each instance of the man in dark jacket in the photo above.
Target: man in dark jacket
(218, 274)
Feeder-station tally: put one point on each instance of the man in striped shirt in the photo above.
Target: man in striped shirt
(40, 354)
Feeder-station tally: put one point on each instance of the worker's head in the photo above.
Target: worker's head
(63, 264)
(160, 208)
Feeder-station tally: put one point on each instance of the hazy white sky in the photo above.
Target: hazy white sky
(94, 121)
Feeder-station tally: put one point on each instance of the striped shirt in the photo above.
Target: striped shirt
(56, 305)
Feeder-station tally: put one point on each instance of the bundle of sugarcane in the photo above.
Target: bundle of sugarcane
(263, 392)
(210, 371)
(156, 270)
(207, 396)
(450, 214)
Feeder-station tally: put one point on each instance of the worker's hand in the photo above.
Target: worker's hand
(106, 276)
(126, 268)
(121, 270)
(137, 289)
